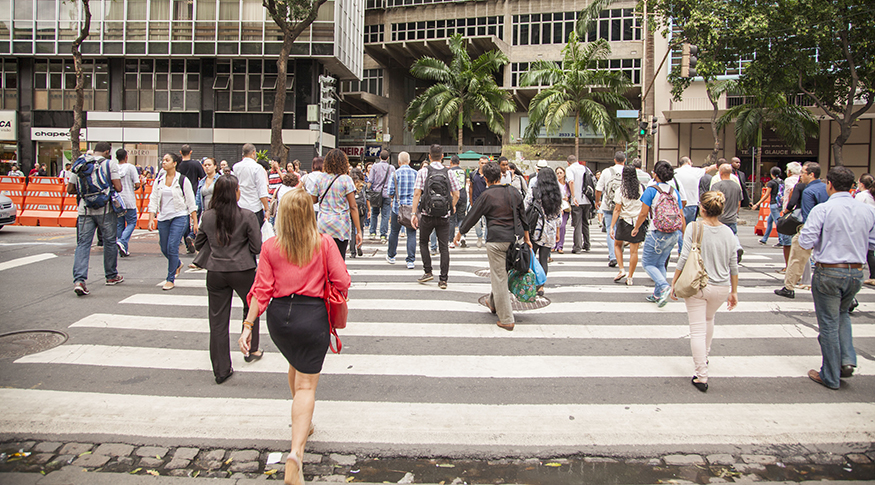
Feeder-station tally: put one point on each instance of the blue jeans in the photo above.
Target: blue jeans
(833, 291)
(774, 213)
(85, 227)
(690, 213)
(657, 249)
(383, 213)
(126, 225)
(392, 250)
(609, 217)
(169, 236)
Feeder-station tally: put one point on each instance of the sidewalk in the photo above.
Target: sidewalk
(74, 463)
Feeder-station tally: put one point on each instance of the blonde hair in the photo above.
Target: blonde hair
(712, 203)
(296, 233)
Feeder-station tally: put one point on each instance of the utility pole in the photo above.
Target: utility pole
(642, 116)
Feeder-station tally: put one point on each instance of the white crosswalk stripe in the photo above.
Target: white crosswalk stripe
(439, 371)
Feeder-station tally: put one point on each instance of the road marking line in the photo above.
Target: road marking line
(26, 260)
(608, 307)
(442, 366)
(464, 330)
(31, 412)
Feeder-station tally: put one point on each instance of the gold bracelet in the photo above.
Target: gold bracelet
(248, 324)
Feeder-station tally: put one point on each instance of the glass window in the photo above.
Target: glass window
(137, 9)
(159, 10)
(229, 10)
(206, 10)
(183, 9)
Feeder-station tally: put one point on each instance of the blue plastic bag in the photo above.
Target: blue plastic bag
(535, 267)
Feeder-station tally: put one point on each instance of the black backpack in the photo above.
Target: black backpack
(535, 213)
(436, 197)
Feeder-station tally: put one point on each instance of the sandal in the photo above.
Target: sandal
(628, 281)
(296, 477)
(560, 251)
(179, 268)
(619, 277)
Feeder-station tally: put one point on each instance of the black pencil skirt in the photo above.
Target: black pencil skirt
(298, 326)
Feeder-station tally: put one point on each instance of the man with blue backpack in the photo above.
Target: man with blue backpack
(95, 181)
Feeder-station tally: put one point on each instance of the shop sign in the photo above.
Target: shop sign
(8, 125)
(353, 151)
(373, 151)
(55, 134)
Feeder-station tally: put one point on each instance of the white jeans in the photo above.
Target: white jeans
(701, 309)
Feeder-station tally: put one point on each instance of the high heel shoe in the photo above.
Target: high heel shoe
(702, 386)
(296, 476)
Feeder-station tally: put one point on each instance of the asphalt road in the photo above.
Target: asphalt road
(425, 371)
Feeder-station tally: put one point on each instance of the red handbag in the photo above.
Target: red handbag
(336, 304)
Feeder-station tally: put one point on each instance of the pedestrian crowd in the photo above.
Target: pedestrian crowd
(278, 238)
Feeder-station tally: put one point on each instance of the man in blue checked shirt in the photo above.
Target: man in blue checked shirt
(401, 193)
(839, 231)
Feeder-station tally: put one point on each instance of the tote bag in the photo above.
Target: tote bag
(693, 277)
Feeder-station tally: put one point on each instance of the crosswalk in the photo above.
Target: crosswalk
(424, 368)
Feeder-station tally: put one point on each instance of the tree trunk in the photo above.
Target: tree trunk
(577, 136)
(839, 143)
(758, 162)
(80, 80)
(278, 149)
(461, 131)
(716, 151)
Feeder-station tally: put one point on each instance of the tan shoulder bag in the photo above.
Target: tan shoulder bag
(693, 277)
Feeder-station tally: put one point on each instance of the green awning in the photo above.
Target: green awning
(469, 155)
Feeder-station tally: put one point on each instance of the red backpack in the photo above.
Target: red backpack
(667, 214)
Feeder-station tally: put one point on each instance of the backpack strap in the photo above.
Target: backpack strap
(327, 189)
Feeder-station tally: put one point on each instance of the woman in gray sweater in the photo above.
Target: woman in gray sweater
(721, 264)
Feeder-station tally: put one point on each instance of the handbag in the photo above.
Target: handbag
(267, 231)
(538, 270)
(519, 254)
(405, 216)
(375, 197)
(566, 206)
(523, 286)
(693, 277)
(789, 223)
(335, 304)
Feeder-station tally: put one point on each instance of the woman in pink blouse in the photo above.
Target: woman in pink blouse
(290, 284)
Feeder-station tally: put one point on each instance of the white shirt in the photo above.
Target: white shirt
(689, 177)
(865, 197)
(575, 174)
(253, 184)
(601, 185)
(129, 178)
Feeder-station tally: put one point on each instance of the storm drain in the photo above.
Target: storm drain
(520, 306)
(18, 344)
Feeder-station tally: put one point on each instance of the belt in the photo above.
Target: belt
(840, 265)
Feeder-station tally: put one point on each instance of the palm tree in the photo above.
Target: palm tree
(577, 87)
(792, 123)
(460, 88)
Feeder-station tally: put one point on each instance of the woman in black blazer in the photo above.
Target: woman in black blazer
(228, 240)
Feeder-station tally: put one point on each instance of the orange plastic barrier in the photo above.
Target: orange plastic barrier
(143, 204)
(44, 197)
(13, 187)
(69, 212)
(762, 220)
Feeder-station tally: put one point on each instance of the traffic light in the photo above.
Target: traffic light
(689, 59)
(326, 101)
(642, 128)
(653, 125)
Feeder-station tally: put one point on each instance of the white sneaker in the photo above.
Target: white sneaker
(410, 265)
(479, 242)
(390, 260)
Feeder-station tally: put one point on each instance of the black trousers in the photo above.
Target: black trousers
(580, 215)
(220, 289)
(543, 254)
(441, 227)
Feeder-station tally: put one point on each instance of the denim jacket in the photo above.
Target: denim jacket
(198, 198)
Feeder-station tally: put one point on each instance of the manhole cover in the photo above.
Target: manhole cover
(18, 344)
(483, 273)
(520, 306)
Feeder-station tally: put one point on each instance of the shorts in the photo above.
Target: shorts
(298, 326)
(624, 232)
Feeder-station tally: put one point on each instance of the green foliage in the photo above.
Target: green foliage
(768, 108)
(262, 156)
(577, 87)
(461, 88)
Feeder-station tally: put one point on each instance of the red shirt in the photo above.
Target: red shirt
(276, 277)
